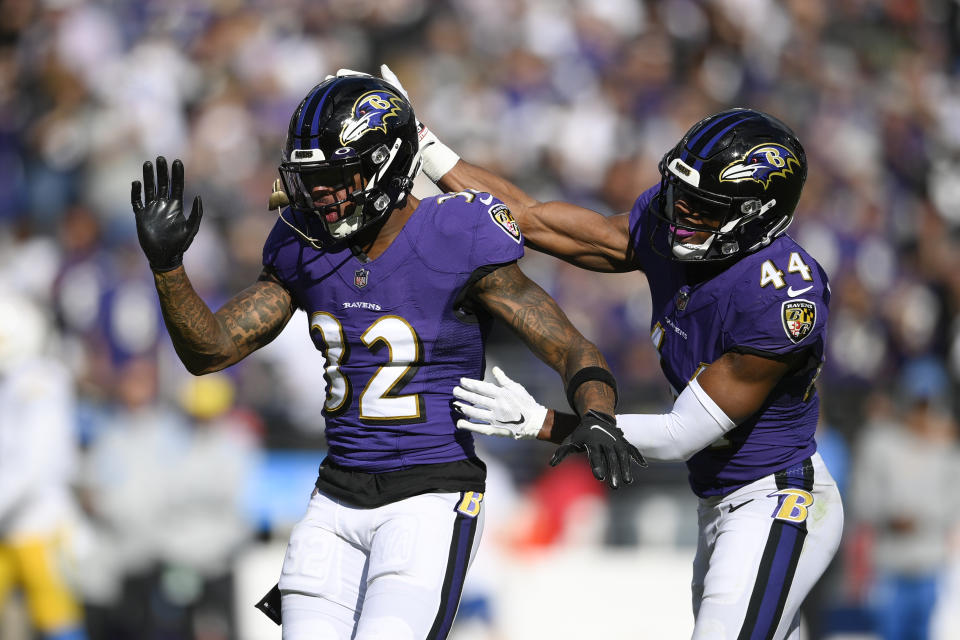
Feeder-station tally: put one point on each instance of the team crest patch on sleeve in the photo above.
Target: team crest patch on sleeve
(799, 318)
(504, 219)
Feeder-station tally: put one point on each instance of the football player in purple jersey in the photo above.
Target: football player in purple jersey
(739, 321)
(400, 295)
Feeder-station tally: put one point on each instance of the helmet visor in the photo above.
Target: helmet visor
(322, 187)
(689, 208)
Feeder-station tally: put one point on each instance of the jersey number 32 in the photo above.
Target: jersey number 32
(380, 400)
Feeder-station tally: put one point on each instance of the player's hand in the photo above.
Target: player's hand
(438, 158)
(501, 409)
(607, 449)
(164, 232)
(347, 72)
(387, 74)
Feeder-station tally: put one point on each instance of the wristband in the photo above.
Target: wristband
(586, 375)
(437, 157)
(605, 418)
(166, 269)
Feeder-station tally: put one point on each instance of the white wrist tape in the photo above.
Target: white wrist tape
(437, 157)
(694, 423)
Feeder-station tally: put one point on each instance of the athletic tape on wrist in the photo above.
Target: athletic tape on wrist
(586, 375)
(438, 158)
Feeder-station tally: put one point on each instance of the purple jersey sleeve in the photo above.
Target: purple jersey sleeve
(780, 305)
(640, 221)
(474, 229)
(282, 242)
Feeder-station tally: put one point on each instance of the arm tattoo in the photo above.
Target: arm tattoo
(537, 319)
(209, 342)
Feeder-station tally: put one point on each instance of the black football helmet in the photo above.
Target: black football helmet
(742, 171)
(353, 133)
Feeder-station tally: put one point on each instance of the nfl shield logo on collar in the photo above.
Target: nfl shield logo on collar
(360, 278)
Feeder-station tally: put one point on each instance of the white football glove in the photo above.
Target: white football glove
(437, 157)
(502, 409)
(347, 72)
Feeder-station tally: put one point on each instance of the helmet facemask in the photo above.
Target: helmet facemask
(724, 217)
(362, 201)
(728, 188)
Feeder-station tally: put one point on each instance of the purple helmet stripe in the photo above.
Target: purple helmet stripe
(689, 148)
(315, 123)
(306, 107)
(311, 109)
(707, 147)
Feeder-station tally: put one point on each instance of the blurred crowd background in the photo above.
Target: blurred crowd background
(164, 479)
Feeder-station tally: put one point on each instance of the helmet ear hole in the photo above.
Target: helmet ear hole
(379, 155)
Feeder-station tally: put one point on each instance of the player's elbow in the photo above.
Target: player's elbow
(196, 368)
(202, 364)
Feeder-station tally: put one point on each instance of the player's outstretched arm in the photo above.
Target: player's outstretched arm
(509, 295)
(208, 341)
(591, 389)
(729, 391)
(204, 341)
(575, 234)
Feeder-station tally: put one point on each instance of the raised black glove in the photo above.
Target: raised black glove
(164, 232)
(607, 449)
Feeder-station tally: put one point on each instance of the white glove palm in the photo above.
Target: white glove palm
(502, 409)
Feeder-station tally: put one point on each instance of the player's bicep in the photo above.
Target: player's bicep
(578, 235)
(256, 315)
(740, 382)
(519, 302)
(575, 234)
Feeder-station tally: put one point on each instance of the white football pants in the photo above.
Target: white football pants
(390, 573)
(760, 551)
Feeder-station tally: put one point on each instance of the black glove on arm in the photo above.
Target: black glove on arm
(607, 449)
(164, 232)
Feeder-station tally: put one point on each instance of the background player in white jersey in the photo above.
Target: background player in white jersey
(37, 463)
(739, 320)
(400, 294)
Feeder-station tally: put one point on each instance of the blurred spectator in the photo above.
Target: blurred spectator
(906, 467)
(827, 600)
(207, 523)
(128, 469)
(165, 491)
(564, 507)
(38, 454)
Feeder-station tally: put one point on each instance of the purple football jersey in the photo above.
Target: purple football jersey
(770, 302)
(394, 339)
